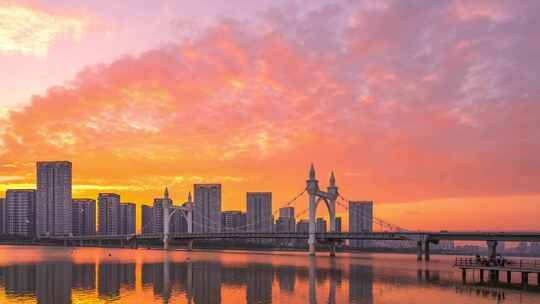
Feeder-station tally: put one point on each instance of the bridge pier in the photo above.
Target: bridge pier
(332, 246)
(492, 249)
(509, 277)
(190, 245)
(481, 275)
(426, 251)
(524, 278)
(494, 276)
(419, 250)
(464, 275)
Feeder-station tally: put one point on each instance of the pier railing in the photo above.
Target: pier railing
(466, 262)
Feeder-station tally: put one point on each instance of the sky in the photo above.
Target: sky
(428, 108)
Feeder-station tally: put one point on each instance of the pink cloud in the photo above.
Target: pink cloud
(411, 102)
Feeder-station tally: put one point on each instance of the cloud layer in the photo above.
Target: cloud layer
(30, 31)
(407, 101)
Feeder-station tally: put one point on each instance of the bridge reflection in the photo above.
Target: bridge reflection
(207, 281)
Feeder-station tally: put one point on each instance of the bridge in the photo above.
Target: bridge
(330, 199)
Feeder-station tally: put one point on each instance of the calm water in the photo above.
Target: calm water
(97, 275)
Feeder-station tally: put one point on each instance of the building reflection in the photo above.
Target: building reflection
(360, 284)
(53, 280)
(199, 281)
(259, 283)
(84, 276)
(286, 276)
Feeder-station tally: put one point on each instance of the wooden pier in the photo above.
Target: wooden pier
(494, 268)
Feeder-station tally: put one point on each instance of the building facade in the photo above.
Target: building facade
(83, 216)
(109, 214)
(360, 220)
(3, 218)
(53, 198)
(337, 224)
(128, 215)
(159, 204)
(259, 211)
(320, 226)
(233, 221)
(207, 209)
(20, 212)
(286, 221)
(147, 213)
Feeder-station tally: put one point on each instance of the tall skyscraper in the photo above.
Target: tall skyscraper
(127, 218)
(147, 226)
(233, 221)
(53, 198)
(109, 214)
(157, 218)
(259, 211)
(360, 220)
(84, 216)
(207, 209)
(20, 209)
(3, 218)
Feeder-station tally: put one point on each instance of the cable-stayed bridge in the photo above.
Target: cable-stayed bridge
(330, 198)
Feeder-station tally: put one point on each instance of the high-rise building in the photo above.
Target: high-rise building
(360, 220)
(83, 216)
(233, 221)
(337, 224)
(146, 219)
(20, 212)
(3, 218)
(259, 211)
(128, 215)
(109, 214)
(53, 198)
(320, 226)
(159, 204)
(207, 209)
(286, 221)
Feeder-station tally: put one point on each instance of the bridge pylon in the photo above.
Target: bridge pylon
(329, 197)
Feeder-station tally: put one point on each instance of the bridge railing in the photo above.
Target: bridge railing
(464, 262)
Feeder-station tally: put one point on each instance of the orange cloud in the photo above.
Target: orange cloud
(252, 109)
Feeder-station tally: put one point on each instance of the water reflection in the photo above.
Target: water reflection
(225, 277)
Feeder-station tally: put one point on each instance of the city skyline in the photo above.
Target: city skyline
(425, 121)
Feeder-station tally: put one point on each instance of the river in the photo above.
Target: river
(59, 275)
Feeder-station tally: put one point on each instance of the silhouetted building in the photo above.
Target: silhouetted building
(83, 216)
(178, 221)
(360, 220)
(109, 214)
(20, 208)
(53, 198)
(207, 209)
(259, 211)
(320, 225)
(128, 215)
(147, 214)
(233, 221)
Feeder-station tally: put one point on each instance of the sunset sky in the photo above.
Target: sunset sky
(429, 108)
